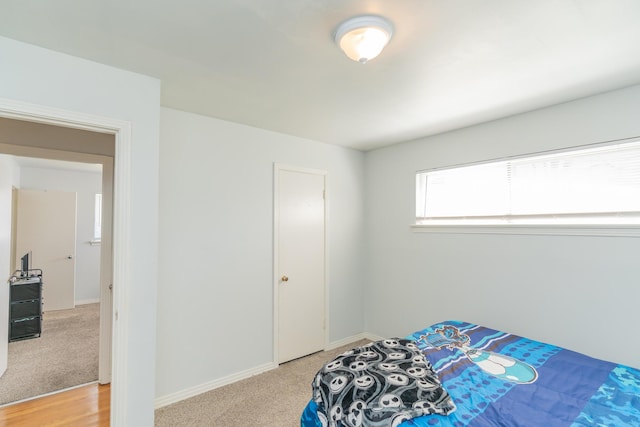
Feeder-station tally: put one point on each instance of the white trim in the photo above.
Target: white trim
(87, 301)
(277, 167)
(239, 376)
(276, 252)
(121, 273)
(106, 276)
(536, 230)
(349, 340)
(121, 225)
(12, 109)
(346, 341)
(211, 385)
(373, 337)
(327, 318)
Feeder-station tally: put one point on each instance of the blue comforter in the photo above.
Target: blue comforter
(500, 379)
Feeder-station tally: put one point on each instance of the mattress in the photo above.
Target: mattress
(495, 378)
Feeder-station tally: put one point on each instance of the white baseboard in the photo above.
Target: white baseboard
(211, 385)
(373, 337)
(87, 301)
(345, 341)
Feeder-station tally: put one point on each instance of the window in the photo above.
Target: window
(97, 223)
(587, 186)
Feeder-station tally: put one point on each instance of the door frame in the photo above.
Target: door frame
(121, 226)
(277, 168)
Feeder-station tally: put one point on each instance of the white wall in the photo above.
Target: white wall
(577, 292)
(86, 185)
(8, 178)
(43, 77)
(215, 298)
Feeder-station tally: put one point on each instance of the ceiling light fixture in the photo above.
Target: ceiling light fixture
(362, 38)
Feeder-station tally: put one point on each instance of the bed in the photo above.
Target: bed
(461, 374)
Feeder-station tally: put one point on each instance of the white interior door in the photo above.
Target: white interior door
(46, 227)
(300, 265)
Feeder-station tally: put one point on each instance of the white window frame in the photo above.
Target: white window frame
(97, 220)
(603, 230)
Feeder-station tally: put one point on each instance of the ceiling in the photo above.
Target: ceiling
(273, 63)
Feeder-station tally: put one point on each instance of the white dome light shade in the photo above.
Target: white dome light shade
(362, 38)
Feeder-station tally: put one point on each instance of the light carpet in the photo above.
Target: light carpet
(65, 355)
(273, 399)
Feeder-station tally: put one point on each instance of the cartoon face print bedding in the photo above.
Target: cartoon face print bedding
(461, 374)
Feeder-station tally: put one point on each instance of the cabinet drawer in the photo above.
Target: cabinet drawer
(23, 328)
(25, 309)
(29, 291)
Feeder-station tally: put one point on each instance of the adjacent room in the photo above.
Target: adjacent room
(59, 348)
(229, 124)
(55, 331)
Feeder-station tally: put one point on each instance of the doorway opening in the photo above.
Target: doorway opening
(118, 265)
(66, 353)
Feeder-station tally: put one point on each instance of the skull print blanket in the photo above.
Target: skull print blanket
(380, 384)
(492, 378)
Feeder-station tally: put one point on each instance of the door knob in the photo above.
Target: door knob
(284, 278)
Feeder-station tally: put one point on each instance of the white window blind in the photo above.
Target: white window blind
(598, 185)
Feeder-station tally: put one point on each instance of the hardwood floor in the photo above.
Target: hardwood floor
(86, 406)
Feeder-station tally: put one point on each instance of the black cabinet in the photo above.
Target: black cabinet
(25, 307)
